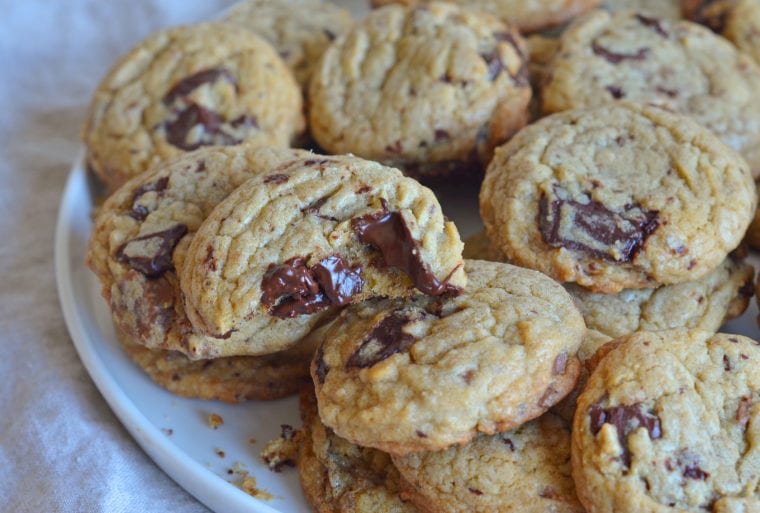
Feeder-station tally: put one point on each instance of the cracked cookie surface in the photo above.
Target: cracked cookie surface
(621, 196)
(141, 234)
(425, 373)
(669, 422)
(288, 248)
(300, 30)
(431, 90)
(680, 66)
(175, 92)
(527, 16)
(526, 469)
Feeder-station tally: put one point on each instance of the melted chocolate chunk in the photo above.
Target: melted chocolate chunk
(387, 338)
(314, 207)
(742, 411)
(151, 254)
(246, 121)
(140, 212)
(590, 227)
(626, 419)
(278, 178)
(188, 84)
(694, 472)
(388, 232)
(339, 282)
(494, 63)
(293, 289)
(617, 58)
(195, 115)
(653, 23)
(560, 365)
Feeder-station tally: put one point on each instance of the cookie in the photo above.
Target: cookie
(424, 373)
(431, 90)
(233, 379)
(619, 196)
(737, 20)
(340, 477)
(187, 87)
(288, 248)
(680, 66)
(668, 422)
(526, 469)
(527, 16)
(753, 232)
(141, 235)
(300, 30)
(663, 9)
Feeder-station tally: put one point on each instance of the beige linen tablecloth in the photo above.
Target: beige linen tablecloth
(61, 447)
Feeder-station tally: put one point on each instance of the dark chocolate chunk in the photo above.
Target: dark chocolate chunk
(320, 366)
(560, 365)
(192, 116)
(727, 365)
(245, 120)
(277, 178)
(590, 227)
(617, 58)
(475, 491)
(615, 91)
(293, 289)
(508, 442)
(713, 14)
(395, 149)
(188, 84)
(140, 212)
(626, 419)
(742, 411)
(694, 472)
(388, 232)
(387, 338)
(653, 23)
(151, 254)
(494, 63)
(328, 34)
(338, 280)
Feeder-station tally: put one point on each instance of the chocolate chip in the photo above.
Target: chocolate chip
(617, 58)
(467, 376)
(549, 397)
(338, 281)
(727, 365)
(625, 419)
(277, 178)
(509, 443)
(713, 14)
(420, 434)
(441, 135)
(616, 92)
(560, 365)
(387, 338)
(188, 84)
(328, 34)
(314, 207)
(245, 121)
(291, 289)
(194, 115)
(653, 23)
(742, 411)
(671, 93)
(494, 64)
(694, 472)
(140, 212)
(590, 227)
(475, 491)
(151, 254)
(395, 149)
(320, 366)
(388, 232)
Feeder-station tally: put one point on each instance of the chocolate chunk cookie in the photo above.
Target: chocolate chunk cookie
(669, 422)
(527, 16)
(141, 235)
(317, 233)
(431, 90)
(424, 373)
(187, 87)
(663, 9)
(620, 196)
(680, 66)
(526, 470)
(300, 30)
(233, 379)
(737, 20)
(340, 477)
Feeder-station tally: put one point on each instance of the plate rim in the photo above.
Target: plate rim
(200, 482)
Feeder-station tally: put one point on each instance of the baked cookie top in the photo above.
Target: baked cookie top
(664, 9)
(737, 20)
(141, 235)
(669, 422)
(338, 476)
(430, 89)
(527, 16)
(620, 196)
(186, 87)
(314, 234)
(680, 66)
(424, 373)
(526, 469)
(300, 30)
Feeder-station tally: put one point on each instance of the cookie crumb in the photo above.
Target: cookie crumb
(219, 453)
(247, 482)
(215, 421)
(252, 441)
(167, 431)
(283, 450)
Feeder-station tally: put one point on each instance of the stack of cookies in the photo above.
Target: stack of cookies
(436, 377)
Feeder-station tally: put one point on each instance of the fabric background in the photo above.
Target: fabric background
(61, 447)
